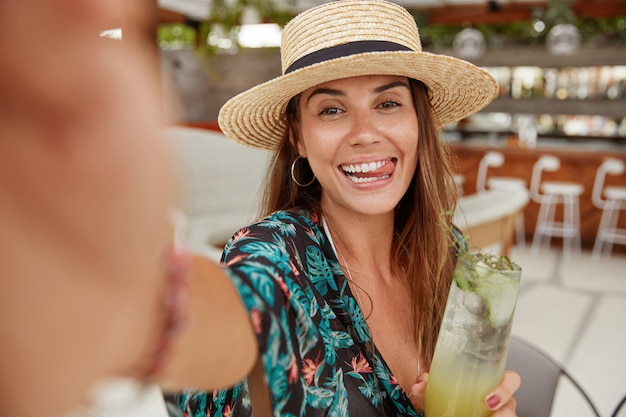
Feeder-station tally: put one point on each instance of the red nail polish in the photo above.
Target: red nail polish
(493, 401)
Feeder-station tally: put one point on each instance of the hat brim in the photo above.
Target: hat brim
(456, 88)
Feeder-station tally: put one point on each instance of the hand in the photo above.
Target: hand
(418, 391)
(500, 400)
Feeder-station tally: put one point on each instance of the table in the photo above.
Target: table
(488, 218)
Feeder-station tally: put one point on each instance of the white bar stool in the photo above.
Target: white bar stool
(549, 194)
(490, 159)
(608, 232)
(496, 159)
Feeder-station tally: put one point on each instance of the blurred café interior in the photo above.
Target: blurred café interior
(540, 172)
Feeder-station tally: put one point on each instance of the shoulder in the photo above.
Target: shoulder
(281, 232)
(284, 223)
(301, 217)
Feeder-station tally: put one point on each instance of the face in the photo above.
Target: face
(360, 136)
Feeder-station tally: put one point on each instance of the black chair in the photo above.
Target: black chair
(171, 404)
(540, 377)
(620, 409)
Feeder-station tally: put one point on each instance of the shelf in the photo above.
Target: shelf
(538, 56)
(534, 90)
(538, 105)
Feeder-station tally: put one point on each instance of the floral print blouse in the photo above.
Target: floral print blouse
(314, 344)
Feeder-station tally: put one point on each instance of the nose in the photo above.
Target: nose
(364, 130)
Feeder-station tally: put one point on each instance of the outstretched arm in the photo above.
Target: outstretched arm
(85, 189)
(217, 346)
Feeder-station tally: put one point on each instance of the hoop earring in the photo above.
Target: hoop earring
(293, 175)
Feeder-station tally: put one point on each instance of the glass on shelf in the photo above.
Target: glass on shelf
(568, 83)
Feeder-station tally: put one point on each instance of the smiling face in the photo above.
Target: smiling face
(360, 136)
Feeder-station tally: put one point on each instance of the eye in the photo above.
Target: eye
(329, 111)
(389, 104)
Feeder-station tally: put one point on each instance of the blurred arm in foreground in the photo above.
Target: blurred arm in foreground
(85, 191)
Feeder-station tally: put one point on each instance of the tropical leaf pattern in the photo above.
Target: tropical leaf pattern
(314, 343)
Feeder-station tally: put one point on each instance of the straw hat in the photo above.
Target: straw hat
(348, 38)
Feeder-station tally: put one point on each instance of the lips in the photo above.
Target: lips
(369, 171)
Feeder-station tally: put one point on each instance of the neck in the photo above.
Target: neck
(363, 245)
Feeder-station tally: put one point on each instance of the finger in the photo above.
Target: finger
(503, 393)
(418, 390)
(507, 409)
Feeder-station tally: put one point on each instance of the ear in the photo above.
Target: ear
(297, 144)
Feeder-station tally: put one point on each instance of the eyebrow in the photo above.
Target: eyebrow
(328, 91)
(390, 86)
(377, 90)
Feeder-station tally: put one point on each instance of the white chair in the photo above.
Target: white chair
(549, 194)
(483, 182)
(608, 232)
(221, 183)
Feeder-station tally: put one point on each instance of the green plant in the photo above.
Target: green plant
(599, 30)
(226, 17)
(176, 36)
(223, 21)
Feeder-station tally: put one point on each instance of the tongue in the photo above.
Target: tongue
(386, 169)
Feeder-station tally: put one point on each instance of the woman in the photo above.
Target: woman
(346, 276)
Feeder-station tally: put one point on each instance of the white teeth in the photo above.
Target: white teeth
(365, 167)
(361, 180)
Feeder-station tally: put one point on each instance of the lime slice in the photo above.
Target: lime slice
(462, 280)
(499, 294)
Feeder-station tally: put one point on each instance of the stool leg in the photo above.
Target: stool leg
(554, 201)
(567, 229)
(618, 235)
(577, 223)
(542, 220)
(519, 229)
(571, 225)
(611, 226)
(598, 245)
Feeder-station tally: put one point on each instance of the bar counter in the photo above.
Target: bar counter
(579, 162)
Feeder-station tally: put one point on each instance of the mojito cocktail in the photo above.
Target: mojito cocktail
(473, 340)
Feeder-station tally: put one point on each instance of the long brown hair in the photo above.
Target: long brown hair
(422, 252)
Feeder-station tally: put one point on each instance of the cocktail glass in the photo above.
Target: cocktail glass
(474, 336)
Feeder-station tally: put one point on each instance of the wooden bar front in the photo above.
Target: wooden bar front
(578, 164)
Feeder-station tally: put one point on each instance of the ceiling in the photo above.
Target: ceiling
(439, 11)
(199, 9)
